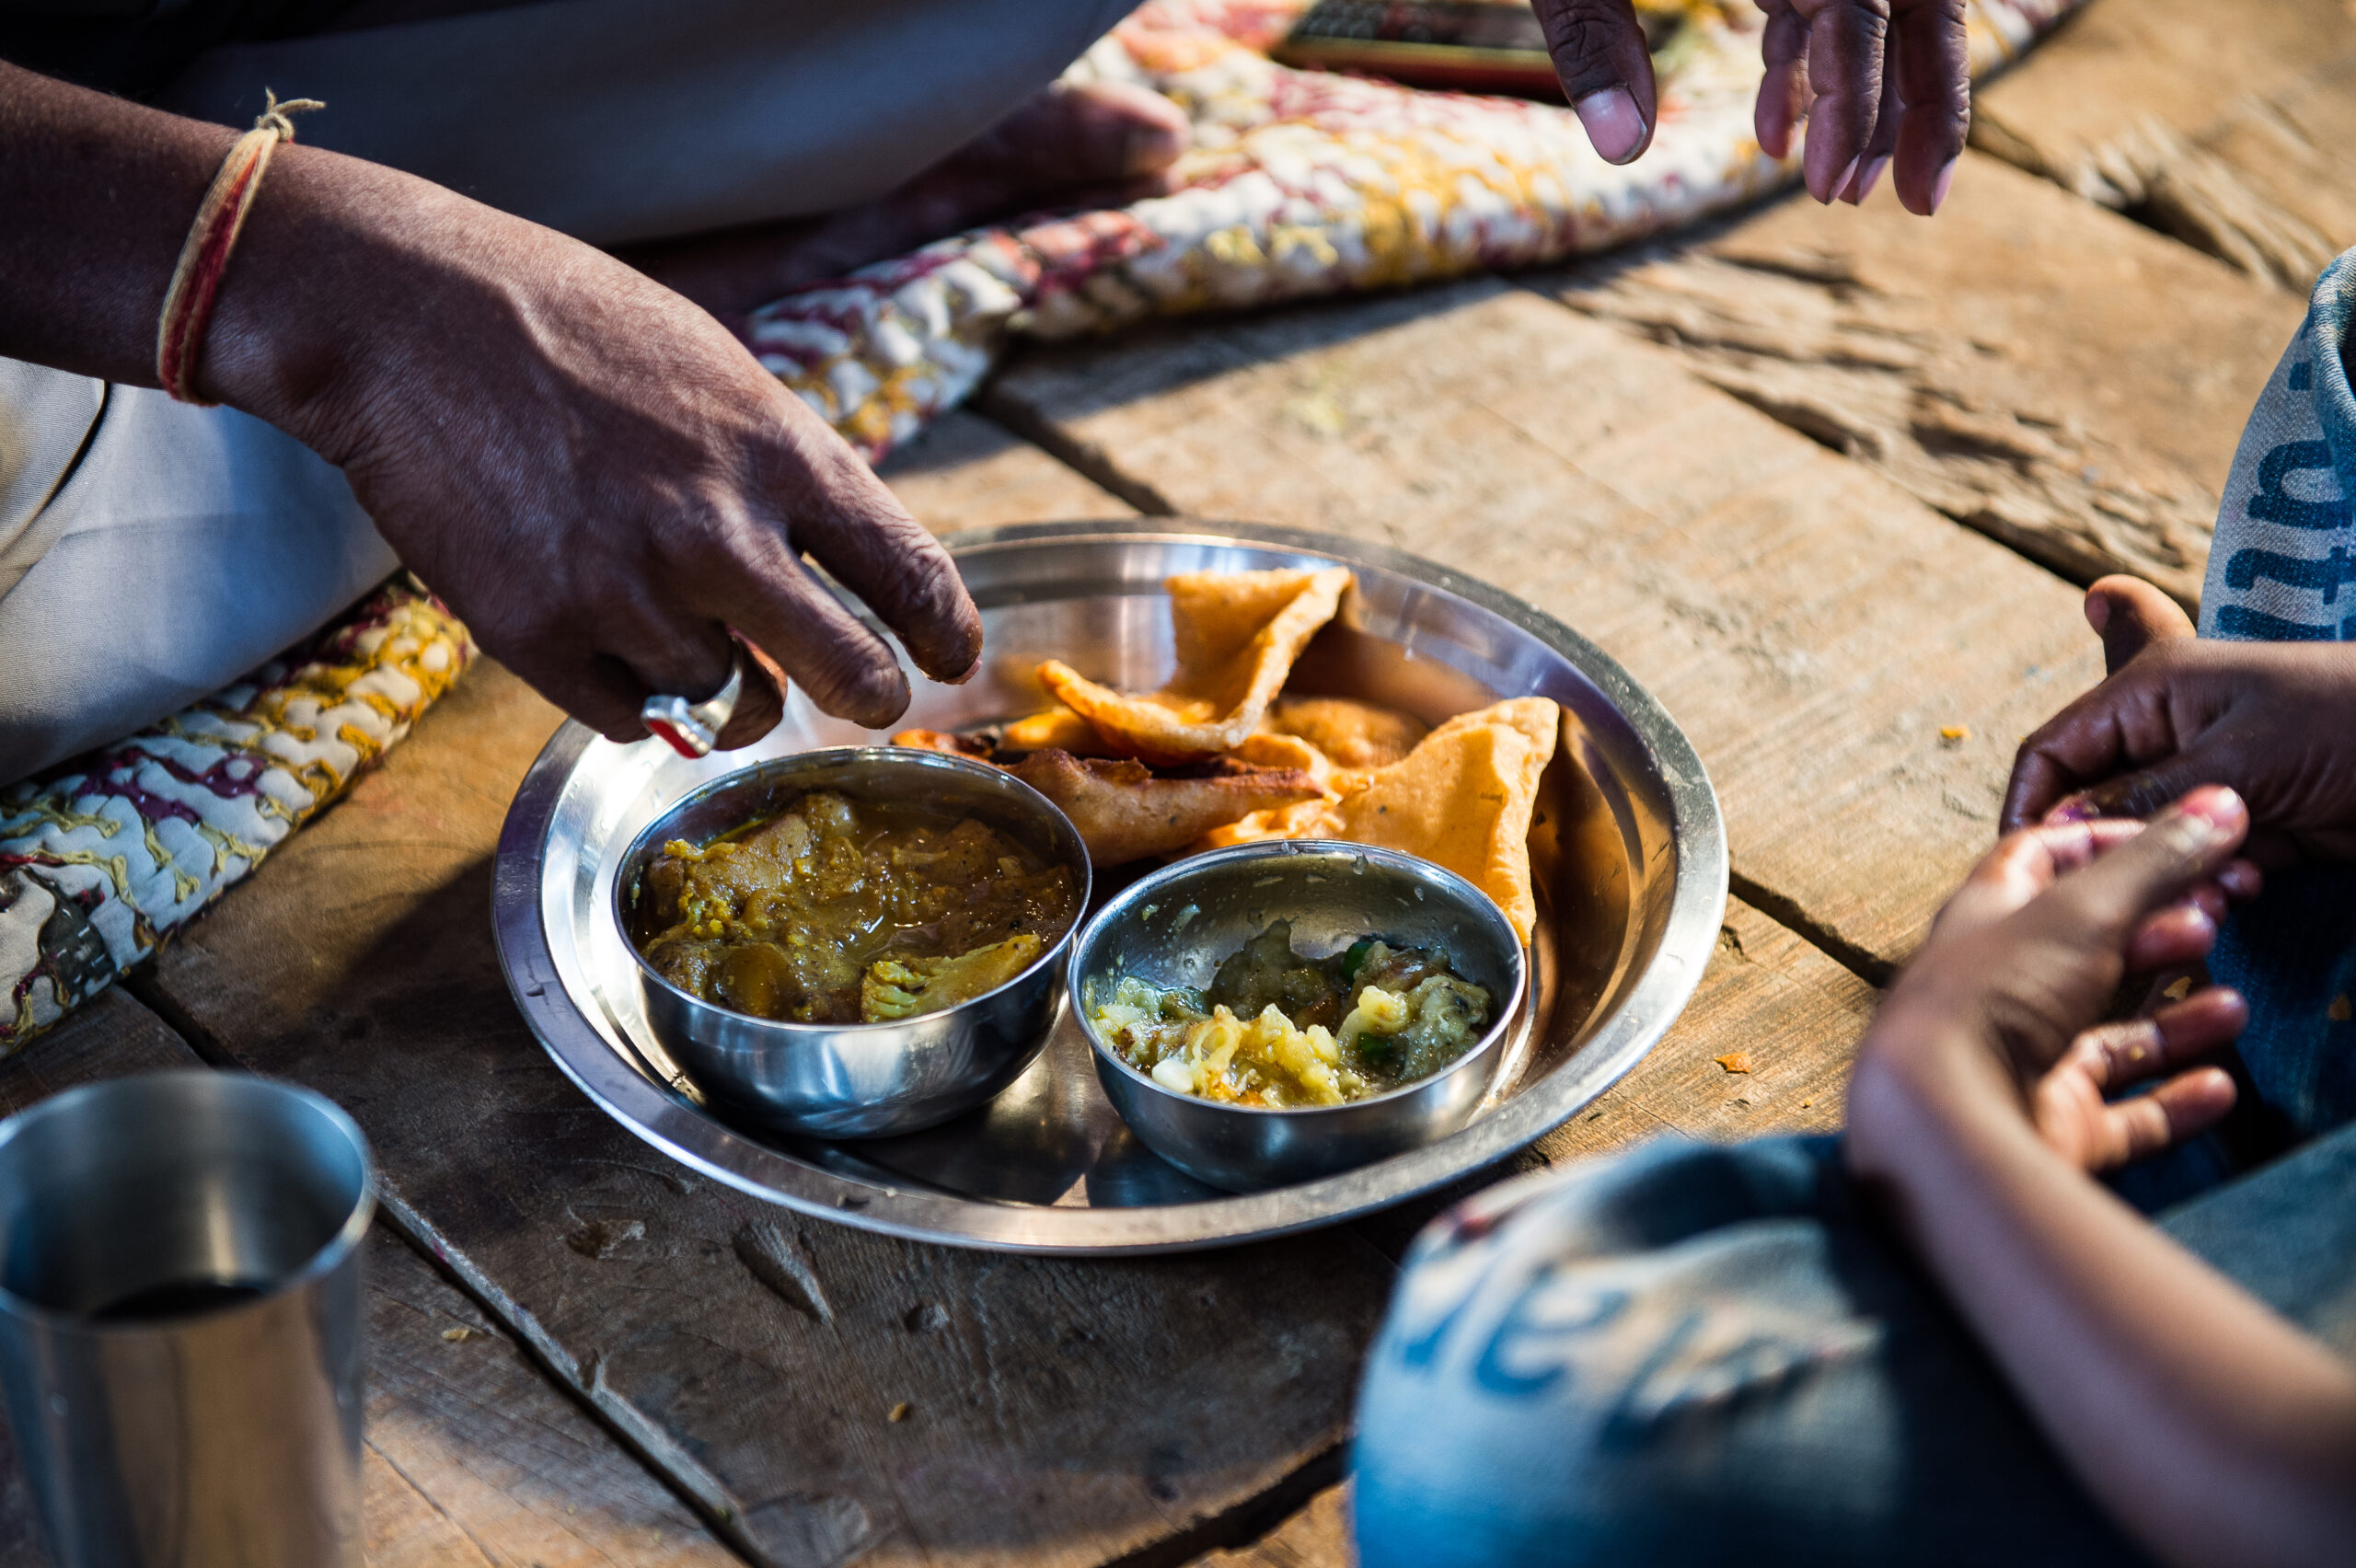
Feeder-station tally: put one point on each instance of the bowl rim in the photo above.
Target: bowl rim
(914, 757)
(1459, 887)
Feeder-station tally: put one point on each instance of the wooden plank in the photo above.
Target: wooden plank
(1317, 1536)
(1057, 1413)
(472, 1456)
(1765, 1048)
(1854, 668)
(107, 1037)
(2220, 121)
(2050, 373)
(965, 472)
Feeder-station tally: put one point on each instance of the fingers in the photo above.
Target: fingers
(1930, 65)
(2024, 864)
(1888, 116)
(1784, 92)
(855, 527)
(1847, 41)
(2119, 724)
(761, 707)
(2116, 1056)
(2129, 615)
(1881, 83)
(1607, 73)
(2130, 717)
(781, 606)
(2181, 933)
(2104, 903)
(2141, 793)
(2184, 1107)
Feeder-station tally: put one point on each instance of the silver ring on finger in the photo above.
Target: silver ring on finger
(692, 728)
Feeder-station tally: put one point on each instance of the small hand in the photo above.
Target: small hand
(1881, 84)
(2274, 720)
(1997, 1014)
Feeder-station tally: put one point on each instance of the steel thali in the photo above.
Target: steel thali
(1629, 856)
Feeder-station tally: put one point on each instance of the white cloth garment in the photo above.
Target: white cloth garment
(151, 551)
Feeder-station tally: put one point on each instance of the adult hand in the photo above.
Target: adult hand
(2274, 720)
(1997, 1014)
(590, 470)
(1880, 83)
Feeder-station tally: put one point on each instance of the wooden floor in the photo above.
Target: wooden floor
(1823, 481)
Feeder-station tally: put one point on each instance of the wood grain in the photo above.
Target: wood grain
(965, 472)
(473, 1456)
(2220, 121)
(2000, 362)
(1813, 628)
(1317, 1536)
(1763, 1048)
(1058, 1413)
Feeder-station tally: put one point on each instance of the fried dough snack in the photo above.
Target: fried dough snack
(1238, 634)
(1126, 811)
(1354, 734)
(1463, 799)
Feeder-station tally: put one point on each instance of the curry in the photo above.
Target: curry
(1274, 1029)
(842, 911)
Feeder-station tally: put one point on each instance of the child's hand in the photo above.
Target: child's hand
(1996, 1015)
(2276, 721)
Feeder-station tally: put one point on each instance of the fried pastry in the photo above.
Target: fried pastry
(1126, 811)
(1353, 734)
(1237, 634)
(1463, 799)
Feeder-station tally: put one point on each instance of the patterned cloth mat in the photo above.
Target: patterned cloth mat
(1299, 184)
(100, 861)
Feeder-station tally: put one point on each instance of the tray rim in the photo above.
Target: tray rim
(1697, 906)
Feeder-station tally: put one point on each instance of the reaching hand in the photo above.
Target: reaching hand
(593, 473)
(2274, 720)
(1881, 84)
(1997, 1014)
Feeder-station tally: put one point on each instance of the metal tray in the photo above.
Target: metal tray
(1629, 854)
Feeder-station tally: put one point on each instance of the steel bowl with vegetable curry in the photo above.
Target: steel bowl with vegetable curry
(836, 910)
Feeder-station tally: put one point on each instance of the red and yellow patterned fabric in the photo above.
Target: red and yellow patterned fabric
(1300, 183)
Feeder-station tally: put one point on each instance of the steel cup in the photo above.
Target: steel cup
(179, 1321)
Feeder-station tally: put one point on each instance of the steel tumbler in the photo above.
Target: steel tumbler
(179, 1321)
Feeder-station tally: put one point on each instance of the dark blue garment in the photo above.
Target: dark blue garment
(1691, 1355)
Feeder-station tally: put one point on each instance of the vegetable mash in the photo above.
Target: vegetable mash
(1276, 1029)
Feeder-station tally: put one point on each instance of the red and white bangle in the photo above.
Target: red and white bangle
(187, 303)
